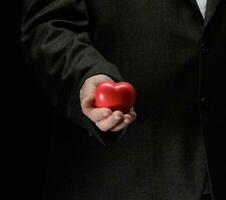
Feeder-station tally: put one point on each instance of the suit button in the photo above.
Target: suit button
(204, 48)
(203, 102)
(90, 134)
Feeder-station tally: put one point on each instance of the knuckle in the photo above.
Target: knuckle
(128, 119)
(101, 127)
(84, 111)
(127, 122)
(120, 113)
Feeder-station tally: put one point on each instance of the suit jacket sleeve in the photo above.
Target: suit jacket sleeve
(57, 44)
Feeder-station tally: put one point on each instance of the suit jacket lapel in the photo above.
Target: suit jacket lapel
(210, 10)
(194, 2)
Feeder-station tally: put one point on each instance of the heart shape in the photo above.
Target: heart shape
(116, 96)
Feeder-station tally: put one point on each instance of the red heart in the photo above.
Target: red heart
(116, 96)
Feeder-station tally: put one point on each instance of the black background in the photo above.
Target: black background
(26, 116)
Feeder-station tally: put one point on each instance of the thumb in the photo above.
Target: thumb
(87, 98)
(88, 90)
(87, 104)
(90, 110)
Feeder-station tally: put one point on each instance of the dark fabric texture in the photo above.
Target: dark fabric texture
(174, 59)
(206, 197)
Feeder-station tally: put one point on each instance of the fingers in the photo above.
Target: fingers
(128, 119)
(95, 114)
(99, 114)
(117, 121)
(104, 118)
(112, 121)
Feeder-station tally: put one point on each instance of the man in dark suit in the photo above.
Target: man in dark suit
(167, 50)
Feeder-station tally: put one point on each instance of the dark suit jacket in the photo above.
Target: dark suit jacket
(175, 60)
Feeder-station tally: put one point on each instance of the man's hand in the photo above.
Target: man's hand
(104, 118)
